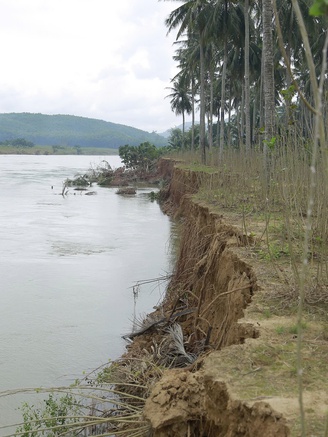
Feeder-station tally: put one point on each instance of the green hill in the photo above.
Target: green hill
(69, 130)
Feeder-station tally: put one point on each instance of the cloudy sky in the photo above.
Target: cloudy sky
(105, 59)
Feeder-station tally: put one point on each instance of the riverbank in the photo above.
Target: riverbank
(237, 312)
(57, 150)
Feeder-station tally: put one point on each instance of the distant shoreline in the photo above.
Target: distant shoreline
(64, 150)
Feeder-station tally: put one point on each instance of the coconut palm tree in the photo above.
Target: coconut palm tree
(187, 55)
(192, 18)
(224, 28)
(180, 99)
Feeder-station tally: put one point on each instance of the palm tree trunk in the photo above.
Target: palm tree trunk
(218, 128)
(193, 116)
(239, 125)
(242, 115)
(254, 121)
(229, 119)
(210, 133)
(223, 86)
(247, 88)
(202, 134)
(183, 129)
(268, 79)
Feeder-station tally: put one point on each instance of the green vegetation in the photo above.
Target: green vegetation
(140, 157)
(89, 408)
(72, 132)
(289, 329)
(246, 88)
(58, 415)
(18, 142)
(140, 165)
(179, 140)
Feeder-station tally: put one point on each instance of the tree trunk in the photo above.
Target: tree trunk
(210, 121)
(268, 80)
(223, 86)
(242, 115)
(183, 129)
(202, 136)
(229, 120)
(193, 114)
(247, 88)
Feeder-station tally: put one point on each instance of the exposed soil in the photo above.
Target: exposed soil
(228, 302)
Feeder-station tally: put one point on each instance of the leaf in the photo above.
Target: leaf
(319, 8)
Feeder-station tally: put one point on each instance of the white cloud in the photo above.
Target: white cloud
(93, 58)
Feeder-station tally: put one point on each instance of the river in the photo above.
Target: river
(67, 268)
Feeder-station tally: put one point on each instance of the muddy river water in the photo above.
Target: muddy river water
(67, 267)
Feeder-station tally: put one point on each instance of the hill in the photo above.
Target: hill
(69, 130)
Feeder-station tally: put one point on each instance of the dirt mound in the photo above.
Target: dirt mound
(190, 404)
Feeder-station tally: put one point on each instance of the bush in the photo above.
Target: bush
(56, 416)
(140, 157)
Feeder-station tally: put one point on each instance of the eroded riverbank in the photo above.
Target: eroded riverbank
(241, 379)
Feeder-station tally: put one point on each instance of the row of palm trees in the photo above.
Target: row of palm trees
(231, 67)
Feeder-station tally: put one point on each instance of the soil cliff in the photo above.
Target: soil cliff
(234, 371)
(214, 280)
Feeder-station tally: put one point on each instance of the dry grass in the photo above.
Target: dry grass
(265, 369)
(273, 221)
(273, 217)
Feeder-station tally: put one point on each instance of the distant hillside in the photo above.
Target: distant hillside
(69, 130)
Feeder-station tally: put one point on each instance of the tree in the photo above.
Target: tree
(78, 149)
(175, 139)
(180, 99)
(191, 18)
(139, 157)
(129, 156)
(188, 57)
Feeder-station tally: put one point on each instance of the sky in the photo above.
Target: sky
(104, 59)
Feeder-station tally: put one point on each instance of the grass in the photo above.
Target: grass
(266, 368)
(197, 167)
(275, 215)
(274, 220)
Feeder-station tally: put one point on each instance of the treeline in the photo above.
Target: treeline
(68, 130)
(18, 142)
(253, 71)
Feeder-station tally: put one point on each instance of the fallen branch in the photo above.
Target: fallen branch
(158, 322)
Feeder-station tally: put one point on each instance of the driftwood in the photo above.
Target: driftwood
(154, 323)
(126, 191)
